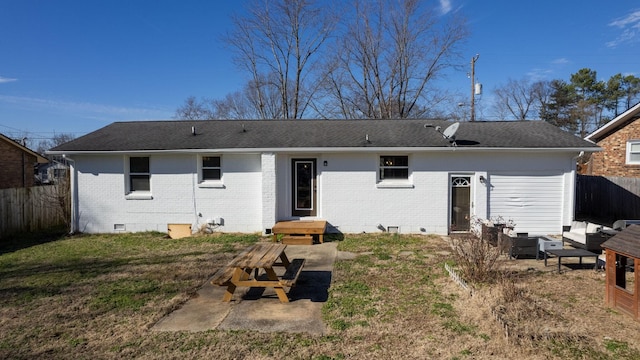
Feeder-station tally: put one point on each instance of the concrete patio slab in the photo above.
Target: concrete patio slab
(259, 309)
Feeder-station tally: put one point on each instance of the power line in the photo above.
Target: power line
(37, 135)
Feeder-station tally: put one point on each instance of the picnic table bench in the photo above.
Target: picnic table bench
(244, 270)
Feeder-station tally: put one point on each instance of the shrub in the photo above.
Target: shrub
(476, 258)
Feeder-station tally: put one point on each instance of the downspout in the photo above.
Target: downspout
(574, 183)
(73, 228)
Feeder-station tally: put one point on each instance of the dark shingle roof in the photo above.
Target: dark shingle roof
(625, 242)
(274, 134)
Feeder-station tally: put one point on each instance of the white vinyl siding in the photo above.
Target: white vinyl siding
(533, 202)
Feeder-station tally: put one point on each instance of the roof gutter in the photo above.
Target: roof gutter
(329, 150)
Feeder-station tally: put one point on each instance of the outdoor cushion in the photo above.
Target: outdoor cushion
(578, 225)
(584, 233)
(593, 228)
(575, 236)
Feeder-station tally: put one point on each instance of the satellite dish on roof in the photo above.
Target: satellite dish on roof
(450, 131)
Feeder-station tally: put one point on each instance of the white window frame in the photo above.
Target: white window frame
(393, 183)
(136, 194)
(629, 152)
(211, 183)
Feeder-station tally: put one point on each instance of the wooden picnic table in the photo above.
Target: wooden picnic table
(244, 270)
(300, 228)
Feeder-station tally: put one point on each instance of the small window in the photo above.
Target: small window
(394, 168)
(211, 170)
(625, 275)
(633, 152)
(139, 175)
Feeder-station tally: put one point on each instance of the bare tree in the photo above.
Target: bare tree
(234, 105)
(542, 91)
(277, 43)
(387, 58)
(242, 104)
(194, 109)
(515, 98)
(57, 139)
(57, 196)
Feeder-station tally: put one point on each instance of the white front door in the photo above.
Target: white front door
(304, 187)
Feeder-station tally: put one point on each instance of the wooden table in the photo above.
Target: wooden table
(300, 227)
(579, 253)
(244, 270)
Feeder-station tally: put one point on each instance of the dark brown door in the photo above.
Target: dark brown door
(304, 187)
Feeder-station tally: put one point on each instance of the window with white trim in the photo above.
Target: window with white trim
(393, 167)
(210, 170)
(633, 152)
(138, 175)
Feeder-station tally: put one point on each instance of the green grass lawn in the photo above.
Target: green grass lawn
(97, 296)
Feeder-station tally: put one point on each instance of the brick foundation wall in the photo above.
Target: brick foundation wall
(17, 167)
(611, 161)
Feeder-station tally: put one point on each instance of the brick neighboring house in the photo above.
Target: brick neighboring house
(620, 143)
(17, 163)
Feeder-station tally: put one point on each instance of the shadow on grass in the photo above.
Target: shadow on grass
(21, 241)
(330, 237)
(583, 266)
(25, 281)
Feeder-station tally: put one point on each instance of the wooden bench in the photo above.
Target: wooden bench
(223, 276)
(300, 227)
(297, 240)
(244, 270)
(293, 272)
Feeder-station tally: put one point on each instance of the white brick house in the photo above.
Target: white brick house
(355, 174)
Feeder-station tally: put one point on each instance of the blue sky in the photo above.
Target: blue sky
(75, 66)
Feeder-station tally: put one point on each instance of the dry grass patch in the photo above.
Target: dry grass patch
(98, 296)
(544, 314)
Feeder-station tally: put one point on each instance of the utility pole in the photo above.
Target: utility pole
(473, 96)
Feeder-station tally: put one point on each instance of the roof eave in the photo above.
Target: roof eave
(611, 125)
(331, 150)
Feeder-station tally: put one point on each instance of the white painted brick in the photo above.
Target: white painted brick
(269, 190)
(257, 192)
(177, 198)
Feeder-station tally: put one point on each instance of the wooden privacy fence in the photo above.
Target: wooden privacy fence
(607, 198)
(31, 209)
